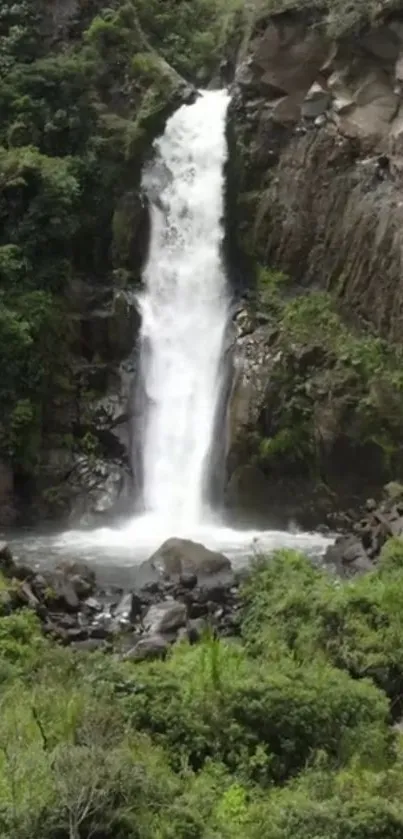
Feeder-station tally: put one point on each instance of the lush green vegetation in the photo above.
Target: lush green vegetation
(330, 380)
(286, 732)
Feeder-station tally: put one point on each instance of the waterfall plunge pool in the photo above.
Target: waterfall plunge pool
(115, 552)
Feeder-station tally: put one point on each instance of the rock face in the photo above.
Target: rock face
(316, 177)
(356, 552)
(317, 128)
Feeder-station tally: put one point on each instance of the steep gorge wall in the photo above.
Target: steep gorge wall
(319, 139)
(316, 134)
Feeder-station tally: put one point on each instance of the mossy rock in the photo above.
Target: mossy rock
(131, 230)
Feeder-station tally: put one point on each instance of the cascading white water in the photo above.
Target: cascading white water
(185, 309)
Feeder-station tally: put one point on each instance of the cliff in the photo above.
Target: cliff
(316, 131)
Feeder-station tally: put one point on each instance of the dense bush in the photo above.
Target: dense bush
(333, 387)
(357, 625)
(260, 738)
(265, 721)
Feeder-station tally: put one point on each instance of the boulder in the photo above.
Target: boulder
(72, 568)
(61, 592)
(7, 564)
(27, 596)
(348, 556)
(129, 608)
(165, 618)
(177, 557)
(316, 102)
(196, 629)
(188, 580)
(152, 646)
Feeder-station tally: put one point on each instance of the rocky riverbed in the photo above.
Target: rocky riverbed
(183, 590)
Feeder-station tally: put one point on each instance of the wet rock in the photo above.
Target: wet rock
(40, 586)
(62, 621)
(129, 608)
(93, 604)
(96, 488)
(165, 617)
(197, 610)
(216, 594)
(73, 569)
(348, 555)
(152, 646)
(82, 587)
(62, 592)
(188, 580)
(99, 632)
(7, 564)
(27, 596)
(75, 634)
(23, 572)
(316, 102)
(196, 629)
(177, 557)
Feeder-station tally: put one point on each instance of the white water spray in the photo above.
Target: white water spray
(185, 309)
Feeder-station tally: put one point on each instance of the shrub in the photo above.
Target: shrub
(356, 625)
(263, 721)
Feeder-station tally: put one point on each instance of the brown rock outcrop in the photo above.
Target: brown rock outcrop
(318, 131)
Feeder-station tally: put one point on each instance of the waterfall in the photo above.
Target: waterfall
(180, 401)
(185, 311)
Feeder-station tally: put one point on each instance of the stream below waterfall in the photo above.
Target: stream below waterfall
(185, 306)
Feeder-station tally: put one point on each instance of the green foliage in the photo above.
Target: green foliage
(263, 722)
(268, 737)
(330, 381)
(357, 625)
(269, 285)
(192, 36)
